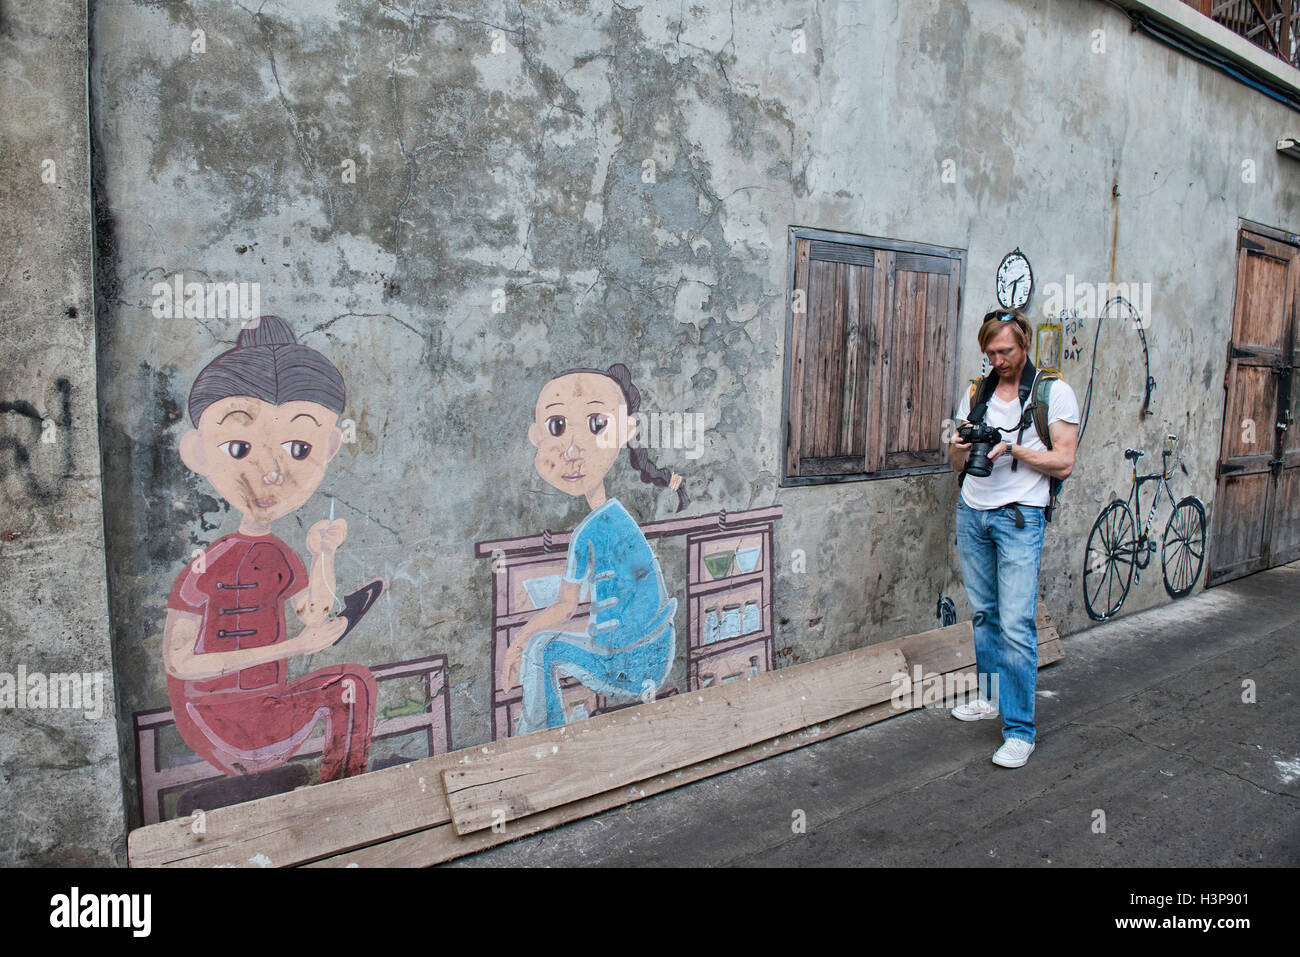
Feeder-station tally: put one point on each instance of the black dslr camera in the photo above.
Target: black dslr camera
(982, 439)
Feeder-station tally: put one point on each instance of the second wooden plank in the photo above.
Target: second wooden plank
(664, 736)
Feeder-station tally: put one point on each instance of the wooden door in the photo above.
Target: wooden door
(1256, 515)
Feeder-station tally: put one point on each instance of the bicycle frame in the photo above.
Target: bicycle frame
(1135, 496)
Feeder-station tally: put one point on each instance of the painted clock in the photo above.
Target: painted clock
(1015, 280)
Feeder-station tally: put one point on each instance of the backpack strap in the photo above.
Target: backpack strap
(977, 399)
(1035, 400)
(981, 390)
(1040, 406)
(1028, 383)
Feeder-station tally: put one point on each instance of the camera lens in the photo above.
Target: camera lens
(979, 464)
(982, 440)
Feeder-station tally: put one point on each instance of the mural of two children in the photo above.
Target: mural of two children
(265, 418)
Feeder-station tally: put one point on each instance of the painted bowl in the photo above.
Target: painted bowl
(543, 591)
(747, 559)
(719, 563)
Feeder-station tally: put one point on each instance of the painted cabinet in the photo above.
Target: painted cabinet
(729, 589)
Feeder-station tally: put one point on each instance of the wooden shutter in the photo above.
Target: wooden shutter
(872, 353)
(827, 426)
(917, 357)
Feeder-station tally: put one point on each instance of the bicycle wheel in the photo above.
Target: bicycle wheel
(1108, 561)
(1182, 553)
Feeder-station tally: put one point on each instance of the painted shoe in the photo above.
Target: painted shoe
(974, 711)
(1013, 753)
(359, 602)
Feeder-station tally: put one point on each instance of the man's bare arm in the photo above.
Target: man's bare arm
(1058, 462)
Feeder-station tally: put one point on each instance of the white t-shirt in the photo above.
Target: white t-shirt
(1025, 485)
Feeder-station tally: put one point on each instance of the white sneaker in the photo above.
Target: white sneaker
(974, 711)
(1013, 753)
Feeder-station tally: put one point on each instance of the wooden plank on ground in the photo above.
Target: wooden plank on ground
(1050, 653)
(323, 820)
(664, 736)
(953, 646)
(300, 825)
(442, 843)
(436, 845)
(517, 785)
(395, 812)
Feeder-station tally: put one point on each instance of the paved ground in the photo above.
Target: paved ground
(1143, 720)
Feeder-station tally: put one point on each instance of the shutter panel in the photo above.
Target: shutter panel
(827, 428)
(918, 358)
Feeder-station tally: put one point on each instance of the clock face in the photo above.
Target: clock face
(1015, 281)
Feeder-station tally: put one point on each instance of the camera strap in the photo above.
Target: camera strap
(1026, 409)
(986, 386)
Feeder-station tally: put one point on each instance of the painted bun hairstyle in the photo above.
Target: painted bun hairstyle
(639, 457)
(268, 363)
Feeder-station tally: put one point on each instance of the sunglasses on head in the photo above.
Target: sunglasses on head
(1000, 315)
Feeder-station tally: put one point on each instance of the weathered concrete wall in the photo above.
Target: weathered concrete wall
(503, 146)
(60, 788)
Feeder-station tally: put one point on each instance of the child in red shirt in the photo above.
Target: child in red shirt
(265, 417)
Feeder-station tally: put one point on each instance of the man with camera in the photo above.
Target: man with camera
(1009, 480)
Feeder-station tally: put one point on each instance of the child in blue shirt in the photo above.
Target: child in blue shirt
(583, 419)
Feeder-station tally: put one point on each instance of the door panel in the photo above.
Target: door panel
(823, 391)
(1239, 543)
(1251, 407)
(853, 423)
(914, 365)
(905, 355)
(1264, 296)
(1286, 519)
(1286, 512)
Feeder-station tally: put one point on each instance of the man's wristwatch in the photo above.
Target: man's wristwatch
(1010, 446)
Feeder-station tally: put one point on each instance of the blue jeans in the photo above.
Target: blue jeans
(999, 564)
